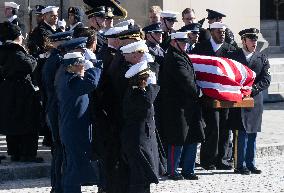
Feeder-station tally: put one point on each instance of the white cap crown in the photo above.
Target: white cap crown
(179, 35)
(217, 25)
(73, 55)
(135, 69)
(116, 30)
(49, 9)
(169, 14)
(12, 4)
(135, 47)
(125, 23)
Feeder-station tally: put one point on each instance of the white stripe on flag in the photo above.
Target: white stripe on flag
(242, 70)
(219, 87)
(208, 69)
(227, 67)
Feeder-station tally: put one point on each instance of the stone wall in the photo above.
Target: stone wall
(236, 19)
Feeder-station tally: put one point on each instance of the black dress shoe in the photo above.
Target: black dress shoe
(209, 167)
(176, 177)
(222, 166)
(254, 170)
(243, 171)
(190, 176)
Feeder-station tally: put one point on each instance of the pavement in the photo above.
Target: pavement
(270, 181)
(269, 143)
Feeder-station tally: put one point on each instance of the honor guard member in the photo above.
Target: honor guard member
(117, 176)
(138, 136)
(109, 18)
(96, 14)
(188, 17)
(19, 122)
(48, 76)
(39, 19)
(38, 13)
(193, 34)
(214, 16)
(154, 36)
(37, 42)
(11, 11)
(97, 19)
(73, 84)
(48, 27)
(247, 121)
(216, 142)
(75, 18)
(168, 19)
(181, 118)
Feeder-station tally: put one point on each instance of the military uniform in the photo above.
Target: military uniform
(205, 34)
(181, 113)
(247, 121)
(75, 126)
(216, 132)
(14, 19)
(193, 28)
(169, 16)
(48, 76)
(158, 55)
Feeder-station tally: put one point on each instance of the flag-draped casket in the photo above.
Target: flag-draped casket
(222, 78)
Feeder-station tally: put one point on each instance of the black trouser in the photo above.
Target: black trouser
(22, 145)
(216, 136)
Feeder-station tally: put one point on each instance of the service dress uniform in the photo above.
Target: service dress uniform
(171, 17)
(247, 121)
(75, 126)
(181, 118)
(138, 137)
(216, 132)
(205, 34)
(49, 70)
(14, 19)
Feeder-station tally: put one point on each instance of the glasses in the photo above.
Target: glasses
(195, 32)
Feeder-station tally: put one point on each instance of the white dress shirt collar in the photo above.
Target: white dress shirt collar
(215, 46)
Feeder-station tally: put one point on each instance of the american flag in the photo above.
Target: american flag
(222, 78)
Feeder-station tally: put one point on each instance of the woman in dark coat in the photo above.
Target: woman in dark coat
(138, 137)
(19, 111)
(74, 82)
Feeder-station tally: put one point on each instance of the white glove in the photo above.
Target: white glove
(152, 79)
(61, 23)
(148, 57)
(88, 64)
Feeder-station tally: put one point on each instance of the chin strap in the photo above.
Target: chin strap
(166, 25)
(98, 24)
(154, 38)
